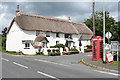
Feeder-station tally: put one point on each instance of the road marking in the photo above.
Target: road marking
(51, 62)
(108, 73)
(20, 65)
(47, 75)
(4, 59)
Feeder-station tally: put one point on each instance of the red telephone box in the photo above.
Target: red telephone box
(97, 48)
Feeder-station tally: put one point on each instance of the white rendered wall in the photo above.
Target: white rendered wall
(16, 35)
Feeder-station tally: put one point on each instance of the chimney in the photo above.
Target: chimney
(17, 9)
(69, 19)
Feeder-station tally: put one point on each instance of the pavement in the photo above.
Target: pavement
(101, 66)
(53, 67)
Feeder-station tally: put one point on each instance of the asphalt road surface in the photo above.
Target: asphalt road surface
(54, 67)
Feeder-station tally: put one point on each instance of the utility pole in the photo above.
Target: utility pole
(104, 53)
(93, 19)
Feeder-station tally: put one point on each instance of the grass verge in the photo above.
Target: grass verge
(13, 53)
(115, 63)
(86, 64)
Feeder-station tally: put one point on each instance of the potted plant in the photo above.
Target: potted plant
(64, 49)
(49, 50)
(53, 50)
(57, 50)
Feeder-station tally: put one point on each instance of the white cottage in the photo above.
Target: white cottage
(25, 28)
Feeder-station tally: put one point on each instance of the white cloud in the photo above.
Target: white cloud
(3, 8)
(62, 17)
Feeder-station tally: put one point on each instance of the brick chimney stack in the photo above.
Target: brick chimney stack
(17, 9)
(69, 19)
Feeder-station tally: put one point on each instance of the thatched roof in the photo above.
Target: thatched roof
(43, 23)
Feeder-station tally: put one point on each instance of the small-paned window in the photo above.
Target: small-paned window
(57, 35)
(47, 34)
(37, 33)
(68, 36)
(27, 46)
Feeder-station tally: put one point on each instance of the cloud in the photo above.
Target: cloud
(78, 11)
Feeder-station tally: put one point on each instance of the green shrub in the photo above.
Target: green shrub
(66, 53)
(57, 50)
(49, 50)
(53, 54)
(53, 50)
(58, 46)
(89, 46)
(52, 46)
(73, 49)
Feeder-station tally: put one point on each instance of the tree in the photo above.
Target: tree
(4, 31)
(3, 43)
(110, 25)
(4, 38)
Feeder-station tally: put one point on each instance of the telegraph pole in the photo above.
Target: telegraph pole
(93, 19)
(104, 55)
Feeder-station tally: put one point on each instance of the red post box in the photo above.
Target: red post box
(97, 48)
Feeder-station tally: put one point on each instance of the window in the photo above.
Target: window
(27, 46)
(37, 33)
(57, 35)
(47, 34)
(68, 36)
(57, 42)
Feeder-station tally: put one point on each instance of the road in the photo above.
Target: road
(54, 67)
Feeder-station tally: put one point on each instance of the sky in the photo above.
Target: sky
(78, 11)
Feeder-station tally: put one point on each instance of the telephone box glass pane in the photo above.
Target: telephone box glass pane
(95, 47)
(101, 49)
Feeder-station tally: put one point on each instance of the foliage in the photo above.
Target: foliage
(74, 52)
(110, 25)
(53, 50)
(58, 46)
(115, 63)
(73, 49)
(3, 39)
(64, 49)
(13, 53)
(0, 43)
(54, 54)
(4, 31)
(49, 50)
(89, 46)
(3, 43)
(57, 50)
(66, 53)
(39, 53)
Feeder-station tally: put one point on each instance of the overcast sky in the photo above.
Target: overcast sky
(78, 11)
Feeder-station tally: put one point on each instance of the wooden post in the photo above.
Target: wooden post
(93, 19)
